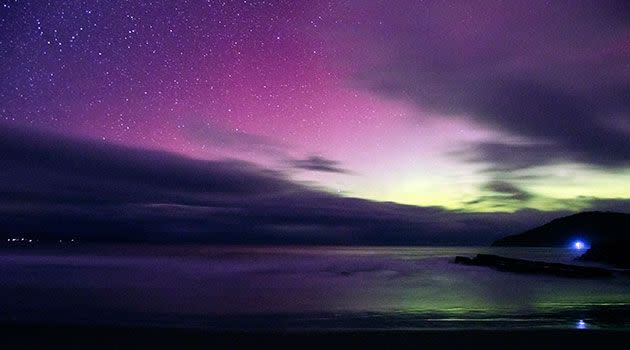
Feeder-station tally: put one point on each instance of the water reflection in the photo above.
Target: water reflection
(384, 287)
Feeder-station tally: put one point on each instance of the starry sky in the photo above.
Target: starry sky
(468, 106)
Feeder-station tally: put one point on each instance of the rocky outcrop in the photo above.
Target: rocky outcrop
(534, 267)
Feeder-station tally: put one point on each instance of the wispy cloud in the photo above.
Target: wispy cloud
(507, 190)
(52, 185)
(237, 140)
(516, 67)
(319, 163)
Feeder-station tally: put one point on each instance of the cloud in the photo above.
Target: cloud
(55, 186)
(498, 193)
(552, 73)
(504, 157)
(38, 165)
(507, 190)
(618, 204)
(318, 163)
(220, 137)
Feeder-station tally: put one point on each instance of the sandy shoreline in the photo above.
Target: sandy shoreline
(39, 336)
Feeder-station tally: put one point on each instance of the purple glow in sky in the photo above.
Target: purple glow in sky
(472, 105)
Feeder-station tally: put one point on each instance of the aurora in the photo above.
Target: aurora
(347, 174)
(410, 106)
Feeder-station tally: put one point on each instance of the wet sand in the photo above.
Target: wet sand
(31, 336)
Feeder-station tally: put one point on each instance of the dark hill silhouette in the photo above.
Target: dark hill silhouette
(595, 228)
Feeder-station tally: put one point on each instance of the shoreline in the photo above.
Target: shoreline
(42, 336)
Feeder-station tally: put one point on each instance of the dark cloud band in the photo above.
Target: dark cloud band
(552, 73)
(53, 186)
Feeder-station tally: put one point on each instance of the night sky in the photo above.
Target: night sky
(282, 116)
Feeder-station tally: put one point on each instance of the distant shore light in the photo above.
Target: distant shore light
(579, 245)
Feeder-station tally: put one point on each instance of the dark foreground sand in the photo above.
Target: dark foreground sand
(14, 336)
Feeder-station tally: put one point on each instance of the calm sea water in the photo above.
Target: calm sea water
(300, 288)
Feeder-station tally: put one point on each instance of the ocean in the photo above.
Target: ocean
(300, 288)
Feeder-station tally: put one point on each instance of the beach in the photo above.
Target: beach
(297, 289)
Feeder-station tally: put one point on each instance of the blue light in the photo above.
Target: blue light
(580, 324)
(579, 245)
